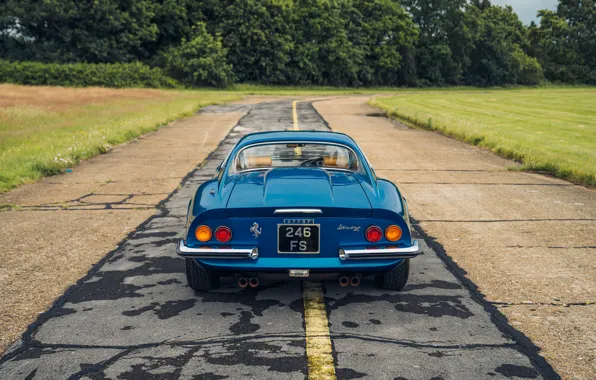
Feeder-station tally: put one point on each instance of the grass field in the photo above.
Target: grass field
(550, 130)
(44, 130)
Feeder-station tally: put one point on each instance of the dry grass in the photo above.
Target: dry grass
(44, 130)
(55, 98)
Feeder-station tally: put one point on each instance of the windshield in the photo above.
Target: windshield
(287, 155)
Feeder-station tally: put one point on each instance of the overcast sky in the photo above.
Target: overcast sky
(527, 9)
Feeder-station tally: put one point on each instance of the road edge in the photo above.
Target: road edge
(523, 343)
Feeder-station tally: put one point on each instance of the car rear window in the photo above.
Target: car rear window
(284, 155)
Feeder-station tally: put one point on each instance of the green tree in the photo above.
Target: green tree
(500, 43)
(581, 17)
(200, 61)
(565, 42)
(445, 43)
(82, 30)
(351, 43)
(175, 20)
(257, 34)
(322, 53)
(525, 70)
(318, 42)
(386, 35)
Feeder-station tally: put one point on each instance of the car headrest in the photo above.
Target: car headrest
(338, 162)
(329, 161)
(258, 162)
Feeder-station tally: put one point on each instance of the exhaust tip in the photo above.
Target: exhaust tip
(253, 282)
(344, 281)
(242, 282)
(355, 281)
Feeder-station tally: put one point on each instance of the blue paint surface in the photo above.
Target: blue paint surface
(350, 202)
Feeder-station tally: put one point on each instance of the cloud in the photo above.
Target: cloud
(527, 9)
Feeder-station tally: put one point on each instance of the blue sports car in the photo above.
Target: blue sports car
(297, 204)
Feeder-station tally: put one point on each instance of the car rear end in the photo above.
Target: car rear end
(298, 209)
(299, 239)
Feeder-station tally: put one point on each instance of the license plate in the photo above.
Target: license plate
(298, 238)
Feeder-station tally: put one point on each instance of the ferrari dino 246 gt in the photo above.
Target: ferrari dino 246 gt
(297, 204)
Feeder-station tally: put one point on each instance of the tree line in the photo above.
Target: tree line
(310, 42)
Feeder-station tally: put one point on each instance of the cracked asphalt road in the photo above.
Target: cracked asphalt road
(133, 317)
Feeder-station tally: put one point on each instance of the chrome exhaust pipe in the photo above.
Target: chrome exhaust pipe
(242, 282)
(344, 281)
(355, 281)
(253, 282)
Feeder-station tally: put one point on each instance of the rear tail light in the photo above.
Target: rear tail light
(373, 234)
(393, 233)
(223, 234)
(203, 233)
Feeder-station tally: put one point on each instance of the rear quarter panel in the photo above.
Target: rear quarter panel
(385, 199)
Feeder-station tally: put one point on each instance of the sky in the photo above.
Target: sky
(527, 9)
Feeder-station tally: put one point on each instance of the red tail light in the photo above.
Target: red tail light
(373, 234)
(223, 234)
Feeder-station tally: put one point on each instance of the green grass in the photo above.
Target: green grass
(257, 89)
(44, 130)
(550, 130)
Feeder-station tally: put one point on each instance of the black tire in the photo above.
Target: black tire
(396, 278)
(199, 278)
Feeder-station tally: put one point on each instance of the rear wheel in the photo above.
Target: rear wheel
(199, 278)
(396, 278)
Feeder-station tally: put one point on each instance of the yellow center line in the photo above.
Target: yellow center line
(319, 351)
(296, 126)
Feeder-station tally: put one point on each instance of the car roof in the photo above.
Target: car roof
(314, 136)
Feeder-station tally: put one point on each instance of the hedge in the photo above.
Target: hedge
(84, 74)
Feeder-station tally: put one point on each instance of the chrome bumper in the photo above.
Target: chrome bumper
(383, 253)
(216, 253)
(253, 253)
